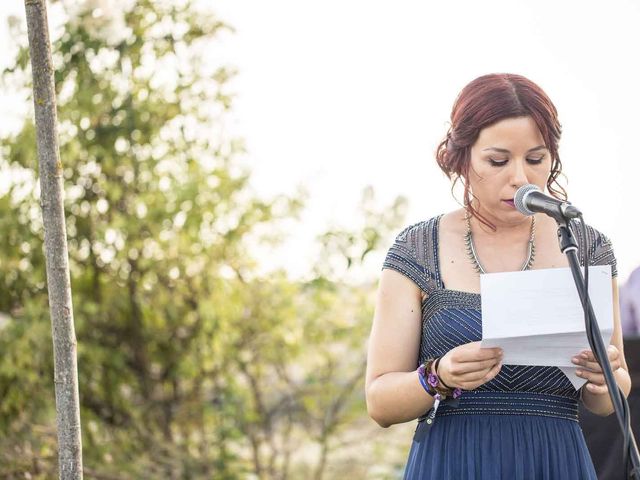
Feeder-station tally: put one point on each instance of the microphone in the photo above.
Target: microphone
(529, 199)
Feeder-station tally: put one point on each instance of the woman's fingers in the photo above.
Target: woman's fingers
(466, 379)
(591, 377)
(597, 389)
(595, 367)
(587, 360)
(461, 369)
(591, 371)
(481, 375)
(612, 353)
(468, 365)
(473, 376)
(472, 352)
(469, 383)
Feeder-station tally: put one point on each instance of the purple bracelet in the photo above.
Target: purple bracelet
(425, 386)
(430, 379)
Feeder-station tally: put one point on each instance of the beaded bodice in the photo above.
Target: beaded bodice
(451, 318)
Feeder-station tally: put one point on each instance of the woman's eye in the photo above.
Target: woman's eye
(497, 163)
(535, 161)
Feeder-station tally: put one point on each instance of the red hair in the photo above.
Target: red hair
(488, 100)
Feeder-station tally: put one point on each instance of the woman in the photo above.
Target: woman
(510, 421)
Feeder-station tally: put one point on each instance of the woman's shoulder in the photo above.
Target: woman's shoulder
(413, 252)
(419, 227)
(595, 237)
(426, 234)
(599, 246)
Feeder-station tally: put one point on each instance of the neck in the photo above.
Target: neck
(508, 234)
(504, 231)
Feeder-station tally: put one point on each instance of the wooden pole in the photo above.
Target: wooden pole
(55, 245)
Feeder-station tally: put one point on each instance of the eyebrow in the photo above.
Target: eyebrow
(504, 150)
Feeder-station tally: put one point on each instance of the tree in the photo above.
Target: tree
(55, 239)
(192, 364)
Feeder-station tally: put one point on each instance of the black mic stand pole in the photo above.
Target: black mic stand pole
(569, 247)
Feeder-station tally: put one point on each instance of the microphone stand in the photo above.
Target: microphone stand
(569, 247)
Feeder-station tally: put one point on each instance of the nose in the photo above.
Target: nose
(518, 173)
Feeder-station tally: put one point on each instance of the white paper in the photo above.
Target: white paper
(537, 319)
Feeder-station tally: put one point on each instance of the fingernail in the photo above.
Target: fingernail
(575, 360)
(584, 355)
(579, 373)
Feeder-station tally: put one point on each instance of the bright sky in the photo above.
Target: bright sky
(338, 95)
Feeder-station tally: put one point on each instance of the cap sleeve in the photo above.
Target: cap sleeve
(601, 250)
(405, 255)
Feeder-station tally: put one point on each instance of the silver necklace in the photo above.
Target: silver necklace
(473, 256)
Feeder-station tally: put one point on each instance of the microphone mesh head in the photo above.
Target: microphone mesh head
(521, 195)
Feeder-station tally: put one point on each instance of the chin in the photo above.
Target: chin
(512, 216)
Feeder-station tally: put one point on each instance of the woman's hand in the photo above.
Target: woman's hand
(592, 372)
(469, 366)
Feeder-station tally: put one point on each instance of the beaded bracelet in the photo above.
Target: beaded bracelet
(438, 390)
(426, 377)
(432, 383)
(427, 388)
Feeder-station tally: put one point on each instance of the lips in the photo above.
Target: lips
(510, 202)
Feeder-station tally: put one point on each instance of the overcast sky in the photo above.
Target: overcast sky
(337, 95)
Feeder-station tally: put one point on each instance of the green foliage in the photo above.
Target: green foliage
(191, 364)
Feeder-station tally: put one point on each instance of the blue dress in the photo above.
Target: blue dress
(523, 424)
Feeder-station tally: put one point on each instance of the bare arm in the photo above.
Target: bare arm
(393, 390)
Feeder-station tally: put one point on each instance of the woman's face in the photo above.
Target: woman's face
(507, 155)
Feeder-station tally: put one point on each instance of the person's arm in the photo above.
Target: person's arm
(393, 390)
(595, 393)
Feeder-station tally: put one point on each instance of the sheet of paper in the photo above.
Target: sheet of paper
(536, 316)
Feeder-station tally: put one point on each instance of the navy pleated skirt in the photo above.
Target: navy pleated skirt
(517, 445)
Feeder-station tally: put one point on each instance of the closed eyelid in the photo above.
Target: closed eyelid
(499, 162)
